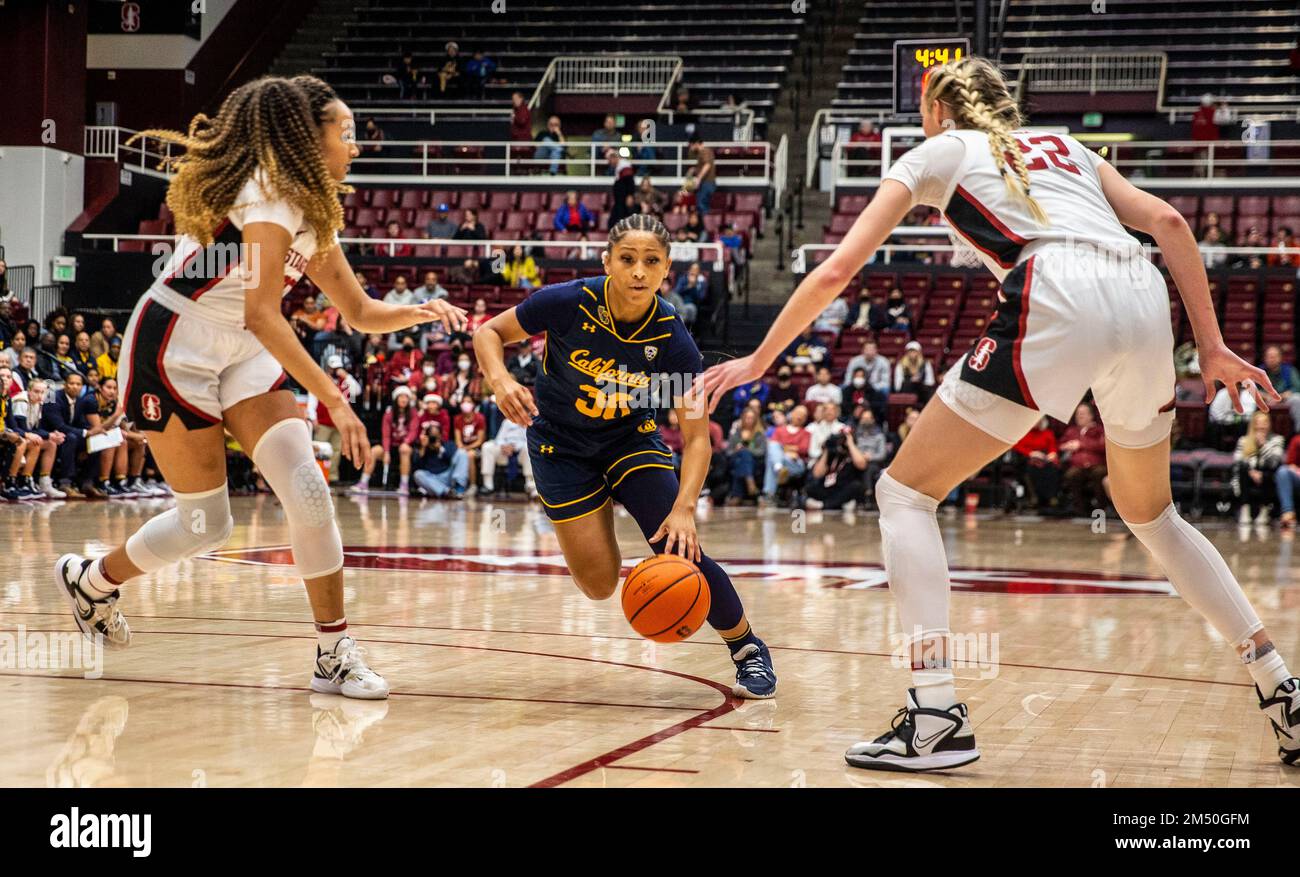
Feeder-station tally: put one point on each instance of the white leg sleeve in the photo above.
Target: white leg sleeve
(1197, 571)
(284, 457)
(488, 463)
(200, 522)
(914, 558)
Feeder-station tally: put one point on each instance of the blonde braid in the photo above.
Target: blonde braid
(273, 124)
(978, 95)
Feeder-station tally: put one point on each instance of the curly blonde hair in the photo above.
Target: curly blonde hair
(974, 90)
(272, 123)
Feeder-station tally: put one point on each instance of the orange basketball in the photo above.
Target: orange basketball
(665, 598)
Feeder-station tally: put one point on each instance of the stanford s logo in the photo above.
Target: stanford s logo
(979, 360)
(650, 351)
(151, 407)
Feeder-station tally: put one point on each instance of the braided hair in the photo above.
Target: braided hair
(270, 123)
(639, 222)
(973, 88)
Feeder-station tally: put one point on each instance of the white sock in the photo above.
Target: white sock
(95, 582)
(935, 689)
(1269, 672)
(328, 633)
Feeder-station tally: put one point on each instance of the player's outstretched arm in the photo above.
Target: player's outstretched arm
(817, 290)
(332, 273)
(1145, 212)
(515, 400)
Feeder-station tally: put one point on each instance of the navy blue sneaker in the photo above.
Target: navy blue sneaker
(755, 678)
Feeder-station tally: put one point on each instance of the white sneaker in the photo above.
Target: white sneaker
(362, 486)
(1243, 516)
(344, 671)
(157, 488)
(95, 617)
(1261, 519)
(1283, 711)
(47, 487)
(921, 739)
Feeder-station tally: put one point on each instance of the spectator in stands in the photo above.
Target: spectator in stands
(645, 152)
(1212, 220)
(470, 228)
(746, 454)
(824, 390)
(408, 76)
(686, 201)
(405, 361)
(865, 133)
(1225, 424)
(1283, 239)
(433, 414)
(573, 215)
(832, 319)
(683, 103)
(521, 126)
(914, 373)
(623, 192)
(67, 413)
(82, 359)
(370, 289)
(1288, 481)
(692, 285)
(857, 392)
(606, 134)
(1212, 243)
(873, 442)
(373, 138)
(76, 324)
(825, 423)
(782, 395)
(687, 311)
(431, 289)
(733, 241)
(400, 293)
(1083, 446)
(876, 366)
(32, 329)
(26, 372)
(1036, 465)
(48, 365)
(63, 353)
(787, 452)
(26, 411)
(524, 366)
(509, 445)
(107, 363)
(1206, 120)
(898, 314)
(308, 321)
(553, 144)
(449, 71)
(441, 227)
(1286, 380)
(863, 147)
(652, 200)
(14, 353)
(1255, 461)
(837, 475)
(478, 316)
(1254, 237)
(100, 340)
(478, 72)
(695, 228)
(805, 352)
(397, 432)
(56, 322)
(470, 427)
(399, 251)
(442, 468)
(705, 172)
(6, 294)
(520, 269)
(745, 394)
(318, 416)
(465, 273)
(861, 312)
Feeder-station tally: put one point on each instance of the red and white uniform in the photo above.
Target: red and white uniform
(1081, 307)
(187, 351)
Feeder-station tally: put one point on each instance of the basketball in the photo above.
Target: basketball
(665, 598)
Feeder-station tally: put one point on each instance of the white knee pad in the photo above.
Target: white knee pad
(1199, 574)
(284, 457)
(914, 558)
(200, 522)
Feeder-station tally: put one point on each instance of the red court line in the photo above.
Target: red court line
(589, 636)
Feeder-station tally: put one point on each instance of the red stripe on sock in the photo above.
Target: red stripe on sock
(331, 628)
(103, 571)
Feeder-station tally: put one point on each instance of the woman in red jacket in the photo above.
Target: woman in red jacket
(1084, 447)
(1037, 464)
(399, 430)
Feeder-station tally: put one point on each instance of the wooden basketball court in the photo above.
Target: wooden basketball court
(1081, 668)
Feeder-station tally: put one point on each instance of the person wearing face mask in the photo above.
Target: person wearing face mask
(427, 373)
(857, 393)
(460, 383)
(324, 429)
(471, 431)
(898, 315)
(404, 362)
(783, 395)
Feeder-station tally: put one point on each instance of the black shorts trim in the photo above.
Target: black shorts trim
(993, 363)
(151, 400)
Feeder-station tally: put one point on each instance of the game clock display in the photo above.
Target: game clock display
(913, 59)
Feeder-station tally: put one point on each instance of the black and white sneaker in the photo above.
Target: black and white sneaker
(920, 739)
(94, 617)
(1283, 711)
(344, 671)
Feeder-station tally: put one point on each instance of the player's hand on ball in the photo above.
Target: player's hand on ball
(679, 527)
(439, 310)
(355, 445)
(516, 402)
(1221, 364)
(715, 382)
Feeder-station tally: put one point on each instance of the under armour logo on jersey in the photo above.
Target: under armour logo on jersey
(650, 351)
(588, 327)
(979, 360)
(646, 426)
(546, 449)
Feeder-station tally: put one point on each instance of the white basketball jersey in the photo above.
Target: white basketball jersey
(954, 171)
(208, 282)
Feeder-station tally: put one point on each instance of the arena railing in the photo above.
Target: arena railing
(614, 73)
(489, 161)
(1091, 72)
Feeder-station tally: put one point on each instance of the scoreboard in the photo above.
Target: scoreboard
(913, 60)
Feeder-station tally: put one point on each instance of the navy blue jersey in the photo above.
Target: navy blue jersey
(601, 376)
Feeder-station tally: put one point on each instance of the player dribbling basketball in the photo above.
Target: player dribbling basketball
(608, 340)
(255, 195)
(1081, 308)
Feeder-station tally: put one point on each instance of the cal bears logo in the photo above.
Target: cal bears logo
(650, 351)
(646, 426)
(151, 407)
(602, 314)
(979, 359)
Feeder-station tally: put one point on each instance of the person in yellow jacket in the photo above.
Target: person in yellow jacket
(521, 270)
(107, 361)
